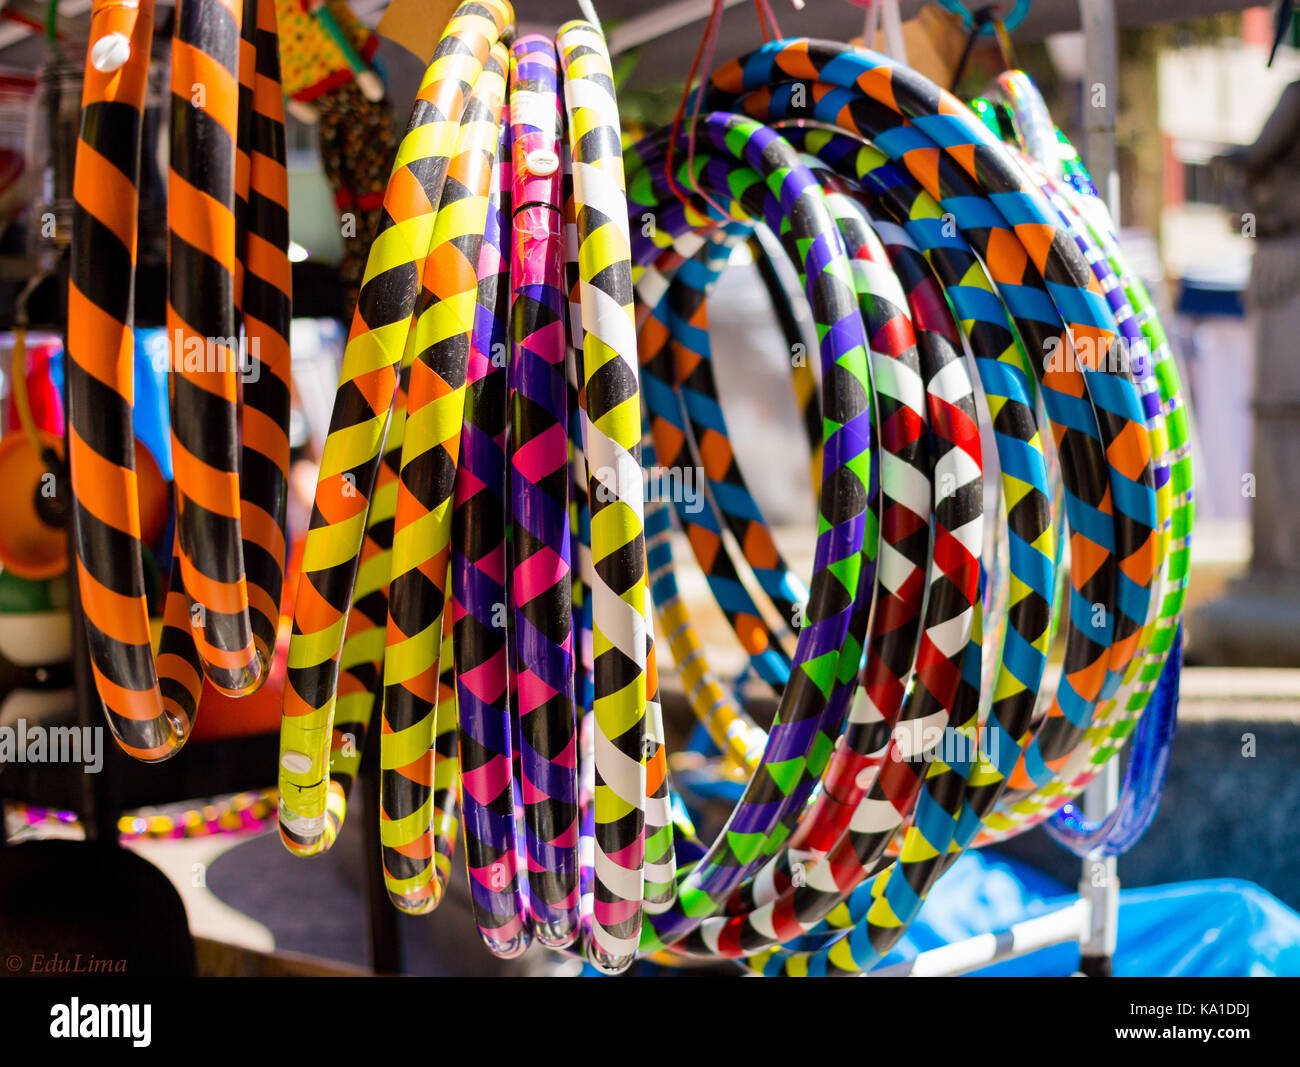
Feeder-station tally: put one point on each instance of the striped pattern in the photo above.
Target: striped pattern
(540, 482)
(613, 436)
(908, 96)
(1044, 510)
(202, 332)
(774, 916)
(733, 732)
(1116, 718)
(712, 447)
(660, 855)
(228, 247)
(149, 709)
(444, 324)
(478, 562)
(1068, 337)
(892, 639)
(362, 406)
(488, 447)
(828, 654)
(266, 298)
(675, 332)
(996, 356)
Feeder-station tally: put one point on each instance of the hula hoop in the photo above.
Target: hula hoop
(1013, 20)
(226, 519)
(478, 556)
(615, 495)
(417, 831)
(539, 419)
(816, 699)
(311, 805)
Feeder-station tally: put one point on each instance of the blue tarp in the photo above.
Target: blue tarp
(1216, 928)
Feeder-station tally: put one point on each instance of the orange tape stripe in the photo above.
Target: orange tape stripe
(268, 263)
(219, 658)
(226, 598)
(262, 434)
(107, 193)
(266, 17)
(179, 669)
(259, 528)
(201, 221)
(272, 349)
(259, 600)
(313, 612)
(107, 491)
(268, 99)
(100, 344)
(123, 618)
(193, 70)
(210, 488)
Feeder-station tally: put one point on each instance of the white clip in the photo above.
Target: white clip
(296, 762)
(110, 52)
(542, 162)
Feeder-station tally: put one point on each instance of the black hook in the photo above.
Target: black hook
(979, 19)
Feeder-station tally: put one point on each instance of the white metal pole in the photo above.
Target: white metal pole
(1101, 97)
(1070, 923)
(1099, 881)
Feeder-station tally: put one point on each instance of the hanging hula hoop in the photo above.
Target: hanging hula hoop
(615, 495)
(976, 675)
(498, 884)
(1017, 16)
(1076, 199)
(311, 806)
(418, 832)
(493, 520)
(542, 546)
(219, 619)
(829, 650)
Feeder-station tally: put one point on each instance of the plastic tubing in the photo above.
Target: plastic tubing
(312, 807)
(539, 489)
(1104, 444)
(615, 495)
(150, 704)
(202, 293)
(903, 201)
(497, 882)
(827, 655)
(416, 864)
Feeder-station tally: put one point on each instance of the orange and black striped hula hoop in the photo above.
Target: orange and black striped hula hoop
(149, 716)
(207, 362)
(151, 705)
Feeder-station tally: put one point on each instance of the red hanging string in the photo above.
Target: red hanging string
(765, 9)
(703, 53)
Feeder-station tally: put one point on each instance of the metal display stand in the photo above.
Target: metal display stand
(240, 764)
(1099, 879)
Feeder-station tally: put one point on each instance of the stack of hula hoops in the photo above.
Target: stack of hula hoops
(486, 568)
